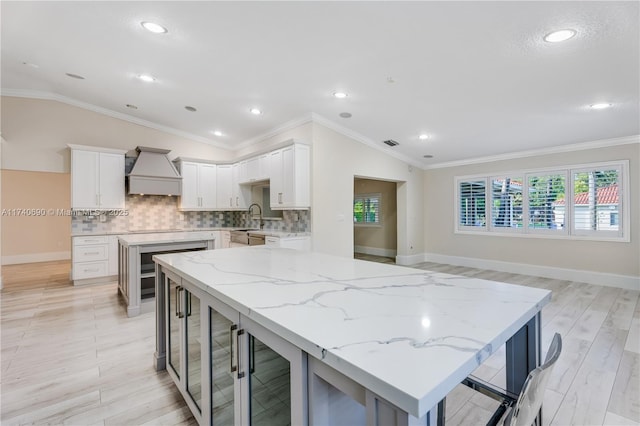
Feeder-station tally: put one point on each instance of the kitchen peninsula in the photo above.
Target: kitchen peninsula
(330, 340)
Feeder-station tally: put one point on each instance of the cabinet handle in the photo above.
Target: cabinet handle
(91, 270)
(279, 197)
(92, 252)
(237, 204)
(178, 301)
(97, 200)
(232, 355)
(189, 305)
(252, 355)
(238, 357)
(180, 313)
(230, 201)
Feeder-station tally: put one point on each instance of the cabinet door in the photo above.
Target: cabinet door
(174, 328)
(224, 195)
(239, 193)
(288, 176)
(225, 387)
(275, 187)
(189, 198)
(193, 358)
(111, 194)
(113, 255)
(207, 186)
(263, 167)
(85, 175)
(274, 370)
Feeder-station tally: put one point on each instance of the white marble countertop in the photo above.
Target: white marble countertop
(408, 335)
(165, 237)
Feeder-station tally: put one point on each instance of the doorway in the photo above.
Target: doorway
(375, 220)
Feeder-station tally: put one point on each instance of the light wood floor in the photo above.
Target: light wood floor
(70, 355)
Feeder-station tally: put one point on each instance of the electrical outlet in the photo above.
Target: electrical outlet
(221, 216)
(296, 217)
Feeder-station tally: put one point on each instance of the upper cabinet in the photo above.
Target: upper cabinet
(241, 194)
(254, 169)
(290, 177)
(199, 186)
(97, 178)
(224, 184)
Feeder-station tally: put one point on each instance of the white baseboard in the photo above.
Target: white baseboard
(411, 259)
(36, 257)
(628, 282)
(374, 251)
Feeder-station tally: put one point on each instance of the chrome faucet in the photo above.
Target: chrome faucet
(259, 211)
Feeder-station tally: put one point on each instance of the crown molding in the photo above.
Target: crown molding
(602, 143)
(289, 125)
(36, 94)
(317, 118)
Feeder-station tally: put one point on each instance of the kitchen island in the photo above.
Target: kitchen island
(307, 338)
(136, 271)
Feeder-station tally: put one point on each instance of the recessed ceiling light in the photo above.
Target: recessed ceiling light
(190, 108)
(423, 137)
(558, 36)
(217, 133)
(131, 106)
(76, 76)
(255, 111)
(146, 77)
(339, 95)
(153, 27)
(602, 105)
(345, 114)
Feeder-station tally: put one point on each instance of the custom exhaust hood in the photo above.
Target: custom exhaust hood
(154, 174)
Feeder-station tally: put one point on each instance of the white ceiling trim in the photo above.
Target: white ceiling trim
(36, 94)
(317, 118)
(289, 125)
(602, 143)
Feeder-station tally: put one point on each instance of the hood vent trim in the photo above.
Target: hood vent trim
(154, 174)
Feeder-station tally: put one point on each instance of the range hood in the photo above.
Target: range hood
(154, 174)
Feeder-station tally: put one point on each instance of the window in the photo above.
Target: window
(584, 201)
(506, 202)
(596, 201)
(472, 204)
(366, 209)
(545, 192)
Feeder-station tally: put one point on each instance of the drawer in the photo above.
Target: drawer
(85, 270)
(90, 253)
(272, 241)
(89, 239)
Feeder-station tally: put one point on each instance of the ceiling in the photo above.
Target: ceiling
(476, 77)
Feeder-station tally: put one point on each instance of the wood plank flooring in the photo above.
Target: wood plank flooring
(70, 355)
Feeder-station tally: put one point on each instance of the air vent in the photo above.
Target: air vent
(391, 142)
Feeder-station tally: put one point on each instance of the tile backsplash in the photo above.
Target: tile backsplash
(158, 212)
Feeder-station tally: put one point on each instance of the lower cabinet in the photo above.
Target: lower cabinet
(229, 369)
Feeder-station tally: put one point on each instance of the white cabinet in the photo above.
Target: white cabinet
(255, 169)
(97, 179)
(94, 258)
(224, 184)
(241, 194)
(90, 257)
(290, 178)
(297, 243)
(199, 185)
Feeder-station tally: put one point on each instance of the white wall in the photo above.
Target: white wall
(336, 160)
(36, 133)
(582, 260)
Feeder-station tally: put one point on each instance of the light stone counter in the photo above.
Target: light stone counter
(407, 335)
